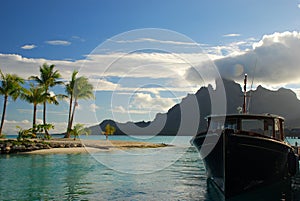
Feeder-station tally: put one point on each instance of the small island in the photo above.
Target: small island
(62, 145)
(36, 91)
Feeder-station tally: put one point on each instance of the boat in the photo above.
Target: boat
(245, 151)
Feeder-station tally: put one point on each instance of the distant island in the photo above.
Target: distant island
(283, 102)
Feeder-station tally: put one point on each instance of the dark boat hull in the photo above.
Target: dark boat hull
(237, 163)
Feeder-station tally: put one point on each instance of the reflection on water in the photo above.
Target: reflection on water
(281, 191)
(81, 177)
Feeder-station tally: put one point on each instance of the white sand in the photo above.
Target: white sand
(92, 146)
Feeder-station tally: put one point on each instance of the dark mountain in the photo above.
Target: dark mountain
(188, 117)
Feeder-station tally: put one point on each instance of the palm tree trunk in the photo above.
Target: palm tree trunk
(73, 112)
(3, 113)
(34, 118)
(69, 118)
(44, 113)
(44, 117)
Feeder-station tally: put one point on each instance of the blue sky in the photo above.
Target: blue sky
(90, 35)
(85, 24)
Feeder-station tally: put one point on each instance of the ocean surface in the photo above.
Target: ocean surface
(172, 173)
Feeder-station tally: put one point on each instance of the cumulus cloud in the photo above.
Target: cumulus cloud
(273, 60)
(141, 104)
(58, 42)
(101, 66)
(25, 67)
(28, 47)
(144, 101)
(10, 126)
(103, 85)
(275, 57)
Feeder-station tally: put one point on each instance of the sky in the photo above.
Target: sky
(143, 57)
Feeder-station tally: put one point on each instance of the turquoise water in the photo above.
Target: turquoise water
(174, 173)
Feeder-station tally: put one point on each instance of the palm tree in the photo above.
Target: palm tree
(10, 87)
(79, 129)
(69, 91)
(109, 130)
(35, 95)
(77, 88)
(48, 78)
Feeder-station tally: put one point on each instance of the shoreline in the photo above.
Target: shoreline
(68, 146)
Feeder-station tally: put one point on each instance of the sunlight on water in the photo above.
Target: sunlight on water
(81, 177)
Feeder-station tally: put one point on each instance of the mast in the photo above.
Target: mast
(245, 95)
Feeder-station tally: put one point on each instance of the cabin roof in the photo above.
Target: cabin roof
(246, 116)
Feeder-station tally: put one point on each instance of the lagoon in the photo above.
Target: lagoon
(171, 173)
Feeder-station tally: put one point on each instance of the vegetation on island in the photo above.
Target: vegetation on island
(48, 78)
(79, 129)
(34, 132)
(77, 88)
(109, 130)
(37, 92)
(11, 86)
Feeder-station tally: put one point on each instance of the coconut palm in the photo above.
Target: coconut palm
(77, 88)
(79, 129)
(69, 90)
(10, 87)
(36, 95)
(48, 78)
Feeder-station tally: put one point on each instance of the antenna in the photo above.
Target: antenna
(245, 95)
(248, 106)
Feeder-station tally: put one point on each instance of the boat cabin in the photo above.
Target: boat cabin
(270, 126)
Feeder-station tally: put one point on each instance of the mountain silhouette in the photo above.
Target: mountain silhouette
(188, 116)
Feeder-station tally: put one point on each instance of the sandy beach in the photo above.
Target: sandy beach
(92, 146)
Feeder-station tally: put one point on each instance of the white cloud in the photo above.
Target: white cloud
(152, 40)
(231, 35)
(78, 38)
(25, 67)
(144, 101)
(28, 47)
(298, 5)
(119, 109)
(25, 121)
(99, 67)
(103, 85)
(58, 42)
(10, 126)
(231, 49)
(276, 55)
(39, 121)
(273, 60)
(94, 107)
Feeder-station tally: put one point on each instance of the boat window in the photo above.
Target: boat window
(260, 126)
(268, 127)
(231, 124)
(277, 129)
(217, 124)
(253, 125)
